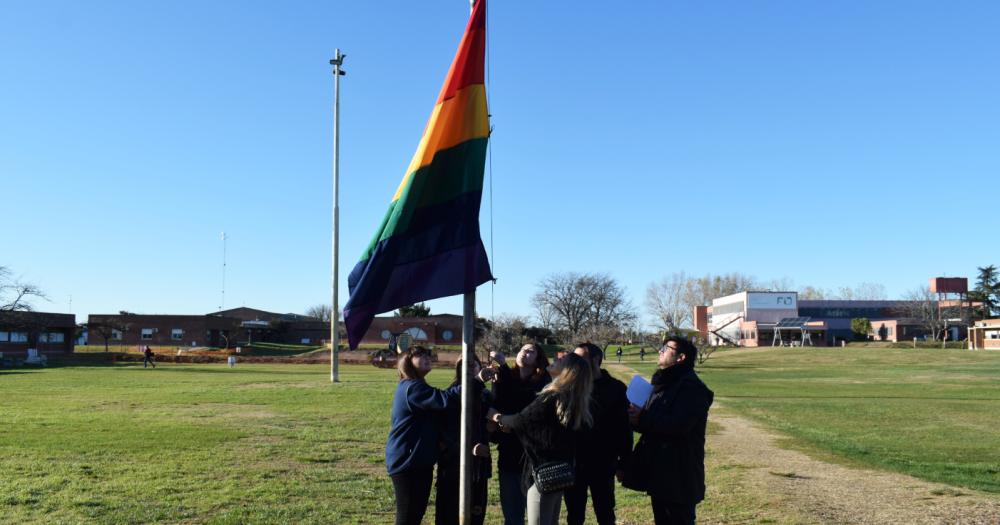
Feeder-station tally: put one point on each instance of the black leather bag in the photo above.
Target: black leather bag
(554, 476)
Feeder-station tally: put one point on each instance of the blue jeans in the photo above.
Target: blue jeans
(512, 500)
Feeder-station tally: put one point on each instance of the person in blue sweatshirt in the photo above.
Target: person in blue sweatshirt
(414, 437)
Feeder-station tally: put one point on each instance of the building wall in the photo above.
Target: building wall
(167, 330)
(443, 329)
(46, 332)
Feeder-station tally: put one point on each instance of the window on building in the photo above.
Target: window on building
(4, 337)
(417, 334)
(19, 337)
(116, 335)
(889, 332)
(176, 334)
(52, 337)
(146, 334)
(447, 335)
(386, 334)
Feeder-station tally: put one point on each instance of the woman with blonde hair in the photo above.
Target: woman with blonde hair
(547, 429)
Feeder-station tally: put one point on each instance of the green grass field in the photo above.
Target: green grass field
(932, 414)
(279, 444)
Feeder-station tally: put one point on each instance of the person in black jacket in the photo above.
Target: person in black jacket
(446, 498)
(669, 461)
(603, 447)
(515, 388)
(547, 429)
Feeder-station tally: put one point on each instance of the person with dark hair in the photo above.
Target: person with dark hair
(515, 388)
(602, 448)
(413, 444)
(547, 430)
(668, 463)
(446, 497)
(147, 357)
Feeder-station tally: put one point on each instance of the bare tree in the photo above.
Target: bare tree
(814, 293)
(505, 333)
(863, 292)
(701, 290)
(16, 295)
(563, 297)
(665, 299)
(574, 301)
(922, 305)
(321, 312)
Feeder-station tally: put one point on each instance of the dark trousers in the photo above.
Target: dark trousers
(148, 361)
(602, 492)
(673, 513)
(413, 490)
(446, 500)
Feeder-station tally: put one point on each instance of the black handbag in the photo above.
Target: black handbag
(554, 476)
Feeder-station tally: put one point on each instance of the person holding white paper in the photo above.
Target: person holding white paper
(668, 463)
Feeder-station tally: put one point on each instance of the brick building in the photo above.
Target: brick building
(47, 332)
(162, 330)
(442, 329)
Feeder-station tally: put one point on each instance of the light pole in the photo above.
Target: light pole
(336, 62)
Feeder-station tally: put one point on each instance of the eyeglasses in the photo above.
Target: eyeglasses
(664, 348)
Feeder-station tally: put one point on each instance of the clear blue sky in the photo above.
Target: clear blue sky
(827, 142)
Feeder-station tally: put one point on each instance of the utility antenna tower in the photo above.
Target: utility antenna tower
(222, 304)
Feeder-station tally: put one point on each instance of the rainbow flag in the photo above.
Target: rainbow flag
(428, 244)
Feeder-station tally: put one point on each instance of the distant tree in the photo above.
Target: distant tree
(321, 312)
(505, 333)
(538, 333)
(665, 300)
(922, 306)
(574, 301)
(16, 295)
(863, 292)
(813, 293)
(987, 290)
(861, 326)
(103, 329)
(415, 310)
(700, 291)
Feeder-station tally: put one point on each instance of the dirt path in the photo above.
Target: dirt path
(829, 493)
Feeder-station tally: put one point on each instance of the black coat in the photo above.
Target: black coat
(609, 442)
(510, 396)
(543, 438)
(450, 427)
(672, 446)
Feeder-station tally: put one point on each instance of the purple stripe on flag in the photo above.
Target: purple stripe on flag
(439, 275)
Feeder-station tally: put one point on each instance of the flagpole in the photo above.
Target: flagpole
(336, 62)
(468, 350)
(465, 457)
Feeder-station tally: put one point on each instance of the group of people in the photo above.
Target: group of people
(562, 430)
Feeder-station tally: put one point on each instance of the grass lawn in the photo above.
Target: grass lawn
(202, 444)
(279, 444)
(932, 414)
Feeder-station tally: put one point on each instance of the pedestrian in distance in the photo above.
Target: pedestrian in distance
(147, 357)
(446, 497)
(547, 430)
(514, 389)
(619, 354)
(668, 463)
(603, 448)
(414, 439)
(642, 353)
